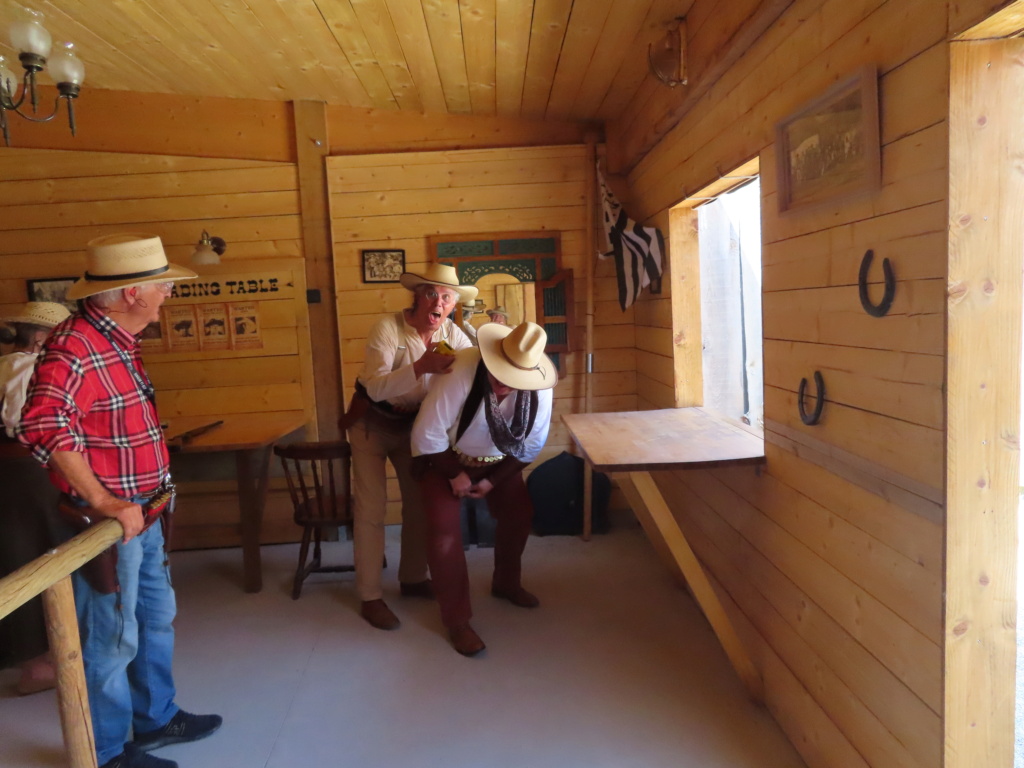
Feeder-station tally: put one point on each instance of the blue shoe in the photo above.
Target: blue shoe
(183, 727)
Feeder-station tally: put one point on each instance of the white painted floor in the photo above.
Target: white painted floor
(616, 669)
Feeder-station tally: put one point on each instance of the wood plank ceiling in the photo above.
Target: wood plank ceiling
(557, 59)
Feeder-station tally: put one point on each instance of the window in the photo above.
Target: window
(716, 289)
(729, 238)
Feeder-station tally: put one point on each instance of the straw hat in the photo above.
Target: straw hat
(117, 261)
(515, 356)
(439, 274)
(499, 310)
(44, 313)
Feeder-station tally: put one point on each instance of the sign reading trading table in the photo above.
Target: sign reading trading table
(251, 438)
(639, 442)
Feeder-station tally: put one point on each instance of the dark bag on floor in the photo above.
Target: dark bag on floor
(556, 489)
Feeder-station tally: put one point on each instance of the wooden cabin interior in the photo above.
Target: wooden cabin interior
(868, 565)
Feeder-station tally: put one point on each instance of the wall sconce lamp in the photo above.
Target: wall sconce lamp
(667, 56)
(30, 38)
(209, 249)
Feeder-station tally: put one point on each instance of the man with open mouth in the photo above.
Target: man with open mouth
(401, 359)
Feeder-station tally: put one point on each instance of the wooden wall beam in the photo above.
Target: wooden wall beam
(164, 124)
(359, 130)
(311, 147)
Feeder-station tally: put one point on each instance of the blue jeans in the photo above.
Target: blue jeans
(128, 644)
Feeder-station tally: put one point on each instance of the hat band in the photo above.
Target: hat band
(514, 364)
(127, 275)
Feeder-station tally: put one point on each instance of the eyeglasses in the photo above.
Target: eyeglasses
(165, 288)
(446, 297)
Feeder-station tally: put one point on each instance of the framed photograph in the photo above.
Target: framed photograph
(383, 266)
(52, 289)
(829, 149)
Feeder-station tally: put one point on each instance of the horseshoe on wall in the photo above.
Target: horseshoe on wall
(819, 400)
(880, 309)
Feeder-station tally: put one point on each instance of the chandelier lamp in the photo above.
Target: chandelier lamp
(30, 38)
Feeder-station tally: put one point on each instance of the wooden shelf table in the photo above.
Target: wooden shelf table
(640, 442)
(251, 438)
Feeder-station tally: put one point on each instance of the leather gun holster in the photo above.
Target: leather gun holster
(101, 571)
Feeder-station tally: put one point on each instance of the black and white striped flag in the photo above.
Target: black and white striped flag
(637, 250)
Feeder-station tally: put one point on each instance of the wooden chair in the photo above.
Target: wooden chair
(318, 481)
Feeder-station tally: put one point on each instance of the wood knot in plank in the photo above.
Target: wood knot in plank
(989, 286)
(956, 292)
(984, 580)
(961, 629)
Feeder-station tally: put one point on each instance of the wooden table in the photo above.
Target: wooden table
(639, 442)
(251, 438)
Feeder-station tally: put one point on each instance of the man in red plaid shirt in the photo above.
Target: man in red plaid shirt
(90, 417)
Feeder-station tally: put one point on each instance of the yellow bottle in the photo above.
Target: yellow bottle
(443, 348)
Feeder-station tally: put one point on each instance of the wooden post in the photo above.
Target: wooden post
(72, 696)
(312, 148)
(590, 253)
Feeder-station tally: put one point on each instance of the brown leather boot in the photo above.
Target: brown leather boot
(517, 596)
(465, 640)
(377, 613)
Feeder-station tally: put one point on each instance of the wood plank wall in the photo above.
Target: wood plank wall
(398, 200)
(831, 558)
(53, 202)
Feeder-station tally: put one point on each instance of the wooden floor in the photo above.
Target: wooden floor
(616, 668)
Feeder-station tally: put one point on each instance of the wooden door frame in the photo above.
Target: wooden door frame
(983, 364)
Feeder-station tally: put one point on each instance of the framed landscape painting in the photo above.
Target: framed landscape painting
(829, 149)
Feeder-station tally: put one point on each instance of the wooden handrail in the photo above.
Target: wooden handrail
(46, 570)
(50, 575)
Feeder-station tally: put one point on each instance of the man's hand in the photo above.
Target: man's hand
(130, 515)
(433, 362)
(481, 489)
(73, 468)
(461, 485)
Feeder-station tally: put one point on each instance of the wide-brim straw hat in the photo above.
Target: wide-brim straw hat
(498, 311)
(117, 261)
(439, 274)
(515, 356)
(43, 313)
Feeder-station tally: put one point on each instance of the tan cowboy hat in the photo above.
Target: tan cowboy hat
(44, 313)
(117, 261)
(499, 310)
(439, 274)
(515, 356)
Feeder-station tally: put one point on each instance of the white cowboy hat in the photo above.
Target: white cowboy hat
(117, 261)
(515, 356)
(499, 310)
(439, 274)
(44, 313)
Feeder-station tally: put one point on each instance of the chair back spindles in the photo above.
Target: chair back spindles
(317, 475)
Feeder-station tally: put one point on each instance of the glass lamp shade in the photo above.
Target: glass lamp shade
(65, 66)
(204, 253)
(28, 34)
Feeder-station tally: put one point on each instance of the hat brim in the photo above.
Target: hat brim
(85, 287)
(489, 338)
(409, 281)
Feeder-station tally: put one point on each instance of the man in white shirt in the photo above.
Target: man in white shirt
(476, 431)
(400, 362)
